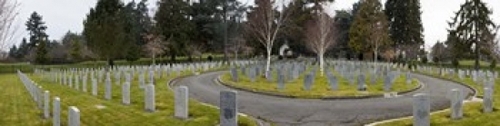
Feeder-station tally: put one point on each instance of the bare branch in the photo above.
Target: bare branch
(8, 13)
(321, 33)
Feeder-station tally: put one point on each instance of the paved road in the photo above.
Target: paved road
(314, 112)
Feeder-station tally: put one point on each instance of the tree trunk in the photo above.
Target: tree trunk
(476, 60)
(172, 58)
(154, 59)
(321, 63)
(375, 57)
(111, 62)
(268, 63)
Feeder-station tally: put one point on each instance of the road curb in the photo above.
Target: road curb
(470, 99)
(171, 83)
(219, 80)
(471, 96)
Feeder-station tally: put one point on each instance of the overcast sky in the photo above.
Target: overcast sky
(67, 15)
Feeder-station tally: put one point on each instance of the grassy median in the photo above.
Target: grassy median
(320, 88)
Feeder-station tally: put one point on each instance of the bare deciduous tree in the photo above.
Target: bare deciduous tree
(238, 45)
(264, 22)
(155, 46)
(195, 49)
(8, 14)
(321, 34)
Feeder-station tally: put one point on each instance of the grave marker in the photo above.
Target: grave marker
(228, 108)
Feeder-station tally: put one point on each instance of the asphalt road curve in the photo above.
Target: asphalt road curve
(316, 112)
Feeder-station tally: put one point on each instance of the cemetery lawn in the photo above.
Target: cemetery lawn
(16, 106)
(115, 113)
(320, 88)
(472, 111)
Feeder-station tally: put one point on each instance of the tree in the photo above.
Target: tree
(474, 28)
(369, 31)
(8, 14)
(321, 35)
(103, 30)
(437, 52)
(405, 25)
(264, 23)
(155, 45)
(38, 38)
(132, 31)
(172, 19)
(343, 19)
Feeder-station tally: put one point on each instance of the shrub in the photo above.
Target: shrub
(424, 60)
(493, 64)
(455, 63)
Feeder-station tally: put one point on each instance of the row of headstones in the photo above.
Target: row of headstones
(296, 68)
(43, 100)
(486, 78)
(228, 106)
(421, 106)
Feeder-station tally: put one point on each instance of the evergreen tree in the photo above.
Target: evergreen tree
(38, 38)
(132, 30)
(172, 20)
(474, 29)
(369, 31)
(13, 52)
(103, 30)
(405, 25)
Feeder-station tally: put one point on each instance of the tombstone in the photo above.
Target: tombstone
(281, 82)
(252, 75)
(181, 102)
(46, 104)
(488, 100)
(56, 112)
(151, 77)
(107, 92)
(361, 83)
(77, 82)
(228, 108)
(332, 80)
(421, 110)
(234, 74)
(84, 83)
(142, 82)
(94, 87)
(308, 80)
(387, 83)
(456, 104)
(269, 76)
(408, 78)
(126, 93)
(149, 100)
(73, 116)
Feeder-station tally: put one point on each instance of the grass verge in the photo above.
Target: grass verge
(320, 88)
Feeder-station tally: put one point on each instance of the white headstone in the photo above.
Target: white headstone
(149, 99)
(181, 102)
(126, 93)
(94, 87)
(107, 92)
(228, 108)
(73, 116)
(421, 110)
(456, 104)
(84, 83)
(56, 112)
(488, 100)
(46, 105)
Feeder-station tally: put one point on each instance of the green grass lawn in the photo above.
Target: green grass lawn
(17, 108)
(320, 88)
(114, 112)
(473, 114)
